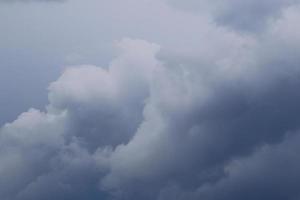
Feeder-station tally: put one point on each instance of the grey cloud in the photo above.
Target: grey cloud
(244, 15)
(208, 123)
(59, 145)
(105, 107)
(195, 124)
(271, 173)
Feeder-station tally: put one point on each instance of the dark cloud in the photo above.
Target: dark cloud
(221, 122)
(271, 173)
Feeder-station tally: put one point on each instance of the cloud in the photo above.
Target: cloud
(90, 108)
(271, 173)
(218, 121)
(249, 15)
(200, 118)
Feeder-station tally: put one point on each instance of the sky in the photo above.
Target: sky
(149, 99)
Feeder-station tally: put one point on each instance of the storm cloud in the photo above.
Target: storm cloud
(214, 120)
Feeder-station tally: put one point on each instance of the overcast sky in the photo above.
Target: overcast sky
(149, 99)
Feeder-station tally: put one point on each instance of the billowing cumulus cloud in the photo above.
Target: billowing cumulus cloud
(217, 121)
(91, 111)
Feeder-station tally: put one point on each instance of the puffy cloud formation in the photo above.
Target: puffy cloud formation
(218, 122)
